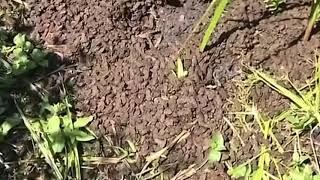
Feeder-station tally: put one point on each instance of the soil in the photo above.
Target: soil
(123, 52)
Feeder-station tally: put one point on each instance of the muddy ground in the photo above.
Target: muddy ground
(123, 56)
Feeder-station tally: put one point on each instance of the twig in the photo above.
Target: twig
(190, 171)
(234, 130)
(157, 155)
(60, 68)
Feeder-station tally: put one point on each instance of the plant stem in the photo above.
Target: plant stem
(312, 20)
(307, 34)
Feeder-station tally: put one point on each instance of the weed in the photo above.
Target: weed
(18, 57)
(57, 133)
(42, 145)
(242, 170)
(299, 168)
(239, 171)
(53, 127)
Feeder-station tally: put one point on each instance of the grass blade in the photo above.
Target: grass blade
(213, 23)
(272, 83)
(73, 145)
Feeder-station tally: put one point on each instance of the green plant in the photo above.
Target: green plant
(222, 4)
(21, 57)
(60, 128)
(61, 133)
(314, 17)
(245, 171)
(18, 56)
(299, 168)
(263, 165)
(242, 170)
(264, 158)
(53, 127)
(217, 145)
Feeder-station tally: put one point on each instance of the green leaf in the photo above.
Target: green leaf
(17, 52)
(316, 177)
(20, 64)
(295, 174)
(67, 122)
(237, 172)
(180, 72)
(58, 143)
(40, 57)
(59, 108)
(258, 174)
(214, 156)
(7, 50)
(295, 97)
(266, 160)
(217, 142)
(82, 122)
(274, 5)
(82, 136)
(91, 132)
(56, 109)
(9, 123)
(70, 160)
(53, 126)
(307, 171)
(19, 40)
(248, 173)
(28, 46)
